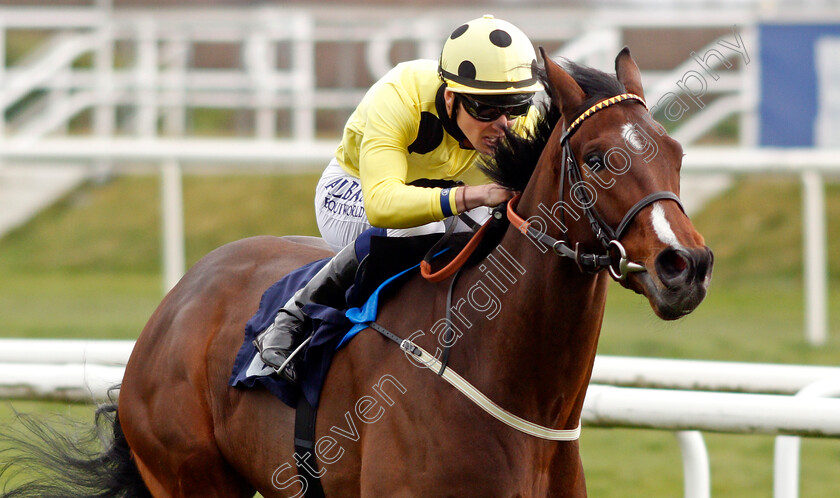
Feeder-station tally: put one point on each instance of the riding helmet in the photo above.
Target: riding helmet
(489, 56)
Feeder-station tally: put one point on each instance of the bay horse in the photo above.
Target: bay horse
(599, 183)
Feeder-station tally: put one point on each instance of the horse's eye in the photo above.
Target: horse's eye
(594, 162)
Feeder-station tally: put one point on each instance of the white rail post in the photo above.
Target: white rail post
(175, 58)
(172, 213)
(429, 38)
(814, 258)
(303, 77)
(696, 474)
(146, 73)
(261, 59)
(104, 118)
(750, 83)
(786, 455)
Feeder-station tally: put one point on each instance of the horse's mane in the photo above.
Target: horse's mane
(515, 159)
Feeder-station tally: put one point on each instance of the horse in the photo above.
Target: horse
(599, 186)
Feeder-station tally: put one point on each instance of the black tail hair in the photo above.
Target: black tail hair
(70, 460)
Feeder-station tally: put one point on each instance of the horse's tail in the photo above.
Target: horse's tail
(93, 462)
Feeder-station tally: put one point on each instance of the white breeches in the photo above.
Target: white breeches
(340, 210)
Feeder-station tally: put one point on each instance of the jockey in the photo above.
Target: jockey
(423, 120)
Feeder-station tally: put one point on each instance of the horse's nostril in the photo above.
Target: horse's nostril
(705, 261)
(678, 263)
(673, 266)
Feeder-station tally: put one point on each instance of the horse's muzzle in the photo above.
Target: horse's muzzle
(684, 275)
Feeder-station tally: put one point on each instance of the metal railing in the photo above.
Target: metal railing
(672, 395)
(142, 62)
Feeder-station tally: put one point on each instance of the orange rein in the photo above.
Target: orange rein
(514, 218)
(453, 266)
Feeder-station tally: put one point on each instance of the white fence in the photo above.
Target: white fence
(278, 55)
(666, 394)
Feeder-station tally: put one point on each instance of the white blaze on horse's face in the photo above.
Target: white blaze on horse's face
(632, 137)
(662, 227)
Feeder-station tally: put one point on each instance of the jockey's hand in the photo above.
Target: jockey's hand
(490, 195)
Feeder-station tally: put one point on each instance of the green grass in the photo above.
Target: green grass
(637, 463)
(748, 322)
(756, 231)
(116, 228)
(89, 267)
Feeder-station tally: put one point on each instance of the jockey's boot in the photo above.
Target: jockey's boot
(279, 342)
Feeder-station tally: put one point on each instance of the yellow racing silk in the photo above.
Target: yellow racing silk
(397, 135)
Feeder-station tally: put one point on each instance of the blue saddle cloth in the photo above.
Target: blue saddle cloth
(329, 324)
(333, 328)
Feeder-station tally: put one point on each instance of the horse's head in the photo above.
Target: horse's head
(618, 177)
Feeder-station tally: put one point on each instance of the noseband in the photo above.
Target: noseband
(615, 257)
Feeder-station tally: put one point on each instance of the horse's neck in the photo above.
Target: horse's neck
(535, 354)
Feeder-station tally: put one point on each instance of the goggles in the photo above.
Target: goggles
(487, 112)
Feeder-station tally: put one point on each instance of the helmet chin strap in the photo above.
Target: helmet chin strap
(450, 123)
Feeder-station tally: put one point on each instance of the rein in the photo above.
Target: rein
(589, 262)
(462, 257)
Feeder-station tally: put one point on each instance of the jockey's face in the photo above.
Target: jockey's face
(483, 136)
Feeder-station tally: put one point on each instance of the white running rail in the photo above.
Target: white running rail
(665, 397)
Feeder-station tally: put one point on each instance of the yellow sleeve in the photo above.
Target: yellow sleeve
(389, 129)
(474, 176)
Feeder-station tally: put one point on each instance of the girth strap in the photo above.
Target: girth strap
(307, 464)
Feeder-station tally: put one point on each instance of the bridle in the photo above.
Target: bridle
(588, 262)
(618, 267)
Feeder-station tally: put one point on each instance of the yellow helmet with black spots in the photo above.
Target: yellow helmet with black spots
(489, 56)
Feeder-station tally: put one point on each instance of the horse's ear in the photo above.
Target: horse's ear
(563, 87)
(628, 73)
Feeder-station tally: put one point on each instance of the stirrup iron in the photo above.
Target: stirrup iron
(279, 370)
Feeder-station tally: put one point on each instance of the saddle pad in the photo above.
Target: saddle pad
(329, 324)
(332, 328)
